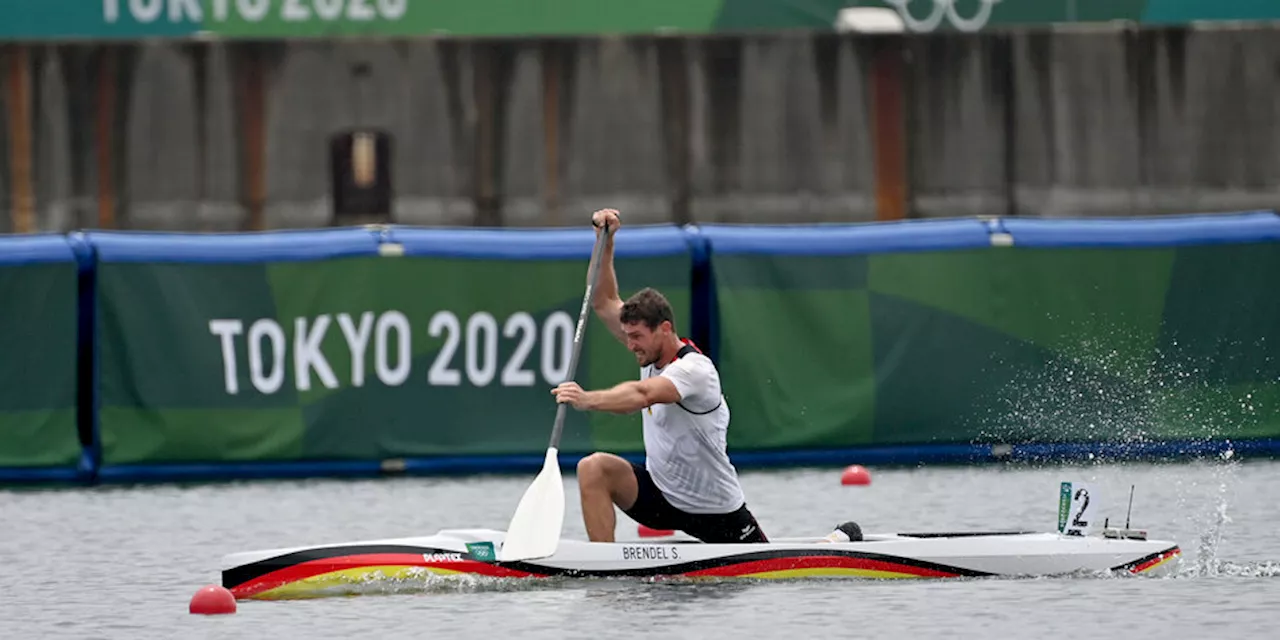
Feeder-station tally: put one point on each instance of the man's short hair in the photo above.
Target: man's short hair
(647, 306)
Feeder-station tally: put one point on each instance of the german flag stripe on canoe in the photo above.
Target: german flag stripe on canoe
(311, 565)
(1150, 562)
(255, 578)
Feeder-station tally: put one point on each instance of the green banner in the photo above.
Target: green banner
(44, 19)
(923, 16)
(98, 19)
(293, 18)
(998, 344)
(362, 345)
(38, 342)
(317, 346)
(131, 19)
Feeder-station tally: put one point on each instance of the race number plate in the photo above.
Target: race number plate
(1077, 505)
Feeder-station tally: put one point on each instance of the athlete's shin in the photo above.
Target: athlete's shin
(597, 501)
(597, 515)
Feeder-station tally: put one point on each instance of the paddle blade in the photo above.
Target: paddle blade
(535, 528)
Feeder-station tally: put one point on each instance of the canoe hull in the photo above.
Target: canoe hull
(324, 569)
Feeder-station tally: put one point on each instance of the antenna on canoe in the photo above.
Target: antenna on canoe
(1126, 515)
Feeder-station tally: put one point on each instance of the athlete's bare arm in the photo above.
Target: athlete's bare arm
(606, 301)
(623, 398)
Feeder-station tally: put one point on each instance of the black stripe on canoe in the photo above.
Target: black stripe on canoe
(246, 573)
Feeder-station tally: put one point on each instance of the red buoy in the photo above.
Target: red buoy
(646, 532)
(211, 600)
(855, 474)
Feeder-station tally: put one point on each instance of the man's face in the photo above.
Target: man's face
(646, 343)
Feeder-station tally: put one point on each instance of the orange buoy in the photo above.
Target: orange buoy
(855, 474)
(212, 600)
(646, 532)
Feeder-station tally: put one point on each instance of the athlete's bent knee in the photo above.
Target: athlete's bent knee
(608, 472)
(593, 470)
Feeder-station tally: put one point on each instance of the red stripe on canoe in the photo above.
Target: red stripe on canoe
(312, 568)
(818, 562)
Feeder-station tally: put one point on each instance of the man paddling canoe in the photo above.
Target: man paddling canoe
(687, 482)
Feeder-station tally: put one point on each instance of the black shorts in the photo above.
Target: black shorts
(652, 510)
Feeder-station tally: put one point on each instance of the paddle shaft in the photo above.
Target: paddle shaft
(593, 270)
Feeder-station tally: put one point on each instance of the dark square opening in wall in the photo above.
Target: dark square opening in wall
(360, 166)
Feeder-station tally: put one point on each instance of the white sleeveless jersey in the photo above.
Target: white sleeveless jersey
(685, 445)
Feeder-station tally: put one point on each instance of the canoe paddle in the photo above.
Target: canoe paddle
(535, 528)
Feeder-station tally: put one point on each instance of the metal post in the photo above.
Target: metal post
(19, 99)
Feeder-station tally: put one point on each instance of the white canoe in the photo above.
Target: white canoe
(315, 570)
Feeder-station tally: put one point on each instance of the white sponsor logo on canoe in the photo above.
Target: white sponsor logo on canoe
(650, 552)
(442, 557)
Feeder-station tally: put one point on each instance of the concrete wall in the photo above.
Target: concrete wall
(760, 128)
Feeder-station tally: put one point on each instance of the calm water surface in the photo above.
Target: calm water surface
(123, 562)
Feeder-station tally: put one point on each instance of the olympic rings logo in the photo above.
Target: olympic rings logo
(944, 10)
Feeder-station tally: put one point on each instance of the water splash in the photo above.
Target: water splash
(1099, 388)
(1211, 526)
(1114, 386)
(1227, 569)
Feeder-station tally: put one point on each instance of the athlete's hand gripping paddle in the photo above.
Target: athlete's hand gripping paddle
(535, 528)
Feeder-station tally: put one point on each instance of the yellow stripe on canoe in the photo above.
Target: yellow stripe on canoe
(311, 586)
(315, 585)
